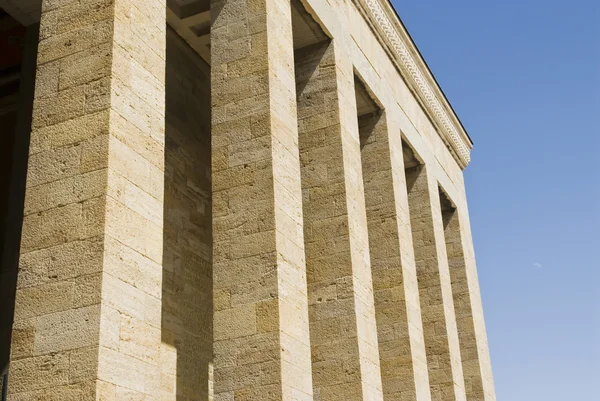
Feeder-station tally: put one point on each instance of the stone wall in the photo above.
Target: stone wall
(176, 211)
(87, 310)
(435, 293)
(342, 315)
(399, 326)
(15, 119)
(261, 339)
(187, 253)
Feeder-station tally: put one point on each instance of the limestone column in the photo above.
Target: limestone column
(87, 315)
(11, 236)
(261, 338)
(479, 385)
(439, 322)
(343, 334)
(398, 312)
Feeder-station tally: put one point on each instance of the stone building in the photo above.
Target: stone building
(231, 200)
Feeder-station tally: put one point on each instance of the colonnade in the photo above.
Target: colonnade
(338, 262)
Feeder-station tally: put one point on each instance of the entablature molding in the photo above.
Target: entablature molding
(395, 39)
(403, 52)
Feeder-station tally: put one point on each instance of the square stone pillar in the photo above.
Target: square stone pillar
(342, 315)
(479, 384)
(400, 329)
(435, 292)
(261, 338)
(88, 304)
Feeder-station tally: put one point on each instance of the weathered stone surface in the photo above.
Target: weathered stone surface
(90, 198)
(258, 249)
(342, 315)
(467, 306)
(435, 291)
(399, 327)
(230, 232)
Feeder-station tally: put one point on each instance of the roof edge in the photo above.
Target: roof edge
(415, 71)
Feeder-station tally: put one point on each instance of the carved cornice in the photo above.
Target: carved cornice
(405, 55)
(394, 37)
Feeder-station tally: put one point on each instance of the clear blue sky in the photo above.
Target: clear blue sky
(523, 76)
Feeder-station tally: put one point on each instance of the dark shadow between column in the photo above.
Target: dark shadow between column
(187, 243)
(15, 131)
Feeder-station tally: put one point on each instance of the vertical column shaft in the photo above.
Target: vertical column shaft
(435, 292)
(15, 192)
(187, 265)
(398, 312)
(342, 317)
(261, 338)
(474, 352)
(87, 315)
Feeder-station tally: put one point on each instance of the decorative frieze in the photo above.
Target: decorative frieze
(405, 55)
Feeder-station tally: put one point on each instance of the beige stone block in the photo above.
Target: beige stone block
(59, 107)
(22, 340)
(260, 288)
(139, 80)
(66, 392)
(106, 391)
(252, 245)
(247, 174)
(127, 193)
(87, 291)
(132, 268)
(87, 66)
(136, 110)
(136, 169)
(139, 340)
(145, 23)
(267, 316)
(235, 322)
(66, 330)
(63, 192)
(39, 372)
(73, 222)
(61, 262)
(221, 299)
(150, 147)
(47, 77)
(122, 370)
(53, 165)
(69, 132)
(83, 364)
(110, 322)
(123, 297)
(80, 15)
(139, 51)
(98, 95)
(64, 44)
(44, 299)
(239, 272)
(133, 230)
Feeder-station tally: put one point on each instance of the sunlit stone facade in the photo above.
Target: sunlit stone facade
(237, 200)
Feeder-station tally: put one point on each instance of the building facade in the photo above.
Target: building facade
(232, 200)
